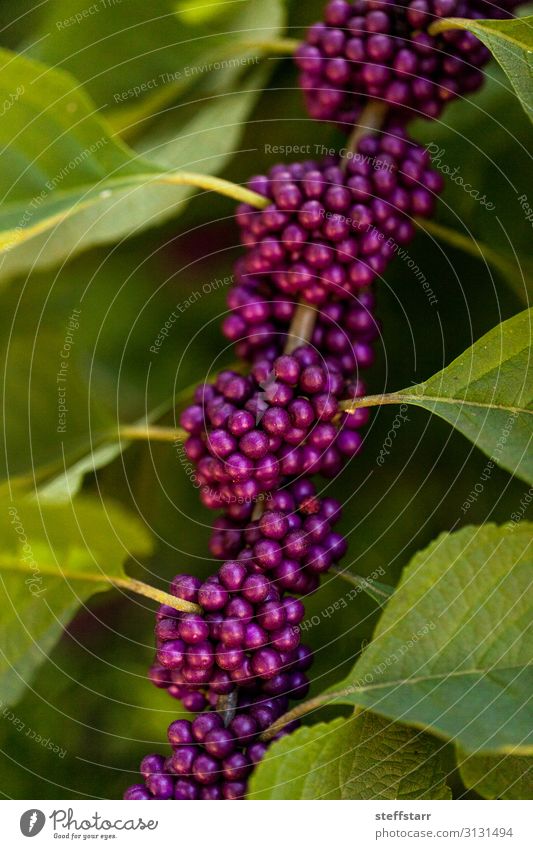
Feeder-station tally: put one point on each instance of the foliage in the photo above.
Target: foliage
(101, 241)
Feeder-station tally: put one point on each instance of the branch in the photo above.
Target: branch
(152, 433)
(156, 595)
(302, 326)
(276, 46)
(421, 400)
(126, 583)
(371, 119)
(213, 184)
(377, 591)
(297, 713)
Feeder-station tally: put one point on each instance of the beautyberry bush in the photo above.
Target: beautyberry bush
(197, 403)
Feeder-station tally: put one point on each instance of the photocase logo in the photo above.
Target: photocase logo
(32, 822)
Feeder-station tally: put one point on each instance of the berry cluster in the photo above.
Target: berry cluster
(245, 641)
(247, 634)
(249, 433)
(294, 508)
(259, 321)
(329, 231)
(384, 50)
(238, 643)
(210, 760)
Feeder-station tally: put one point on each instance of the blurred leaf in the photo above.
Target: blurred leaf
(128, 50)
(84, 188)
(511, 43)
(194, 11)
(61, 486)
(52, 559)
(185, 145)
(484, 144)
(487, 394)
(365, 757)
(109, 306)
(518, 275)
(451, 652)
(504, 777)
(50, 415)
(225, 56)
(380, 593)
(117, 47)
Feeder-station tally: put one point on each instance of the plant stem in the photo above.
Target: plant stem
(447, 23)
(517, 274)
(372, 401)
(300, 331)
(214, 184)
(302, 326)
(227, 706)
(126, 583)
(152, 433)
(156, 595)
(276, 47)
(296, 713)
(371, 119)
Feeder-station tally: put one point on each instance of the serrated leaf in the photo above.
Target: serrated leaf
(365, 757)
(496, 777)
(377, 591)
(52, 559)
(487, 395)
(452, 652)
(511, 44)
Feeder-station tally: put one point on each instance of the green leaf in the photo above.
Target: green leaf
(225, 55)
(84, 187)
(175, 146)
(93, 304)
(52, 559)
(377, 591)
(57, 486)
(197, 10)
(51, 417)
(511, 44)
(124, 53)
(365, 757)
(451, 652)
(495, 777)
(123, 46)
(486, 394)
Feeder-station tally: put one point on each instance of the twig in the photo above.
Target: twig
(302, 326)
(371, 119)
